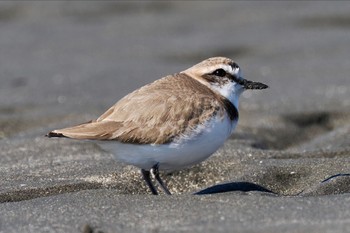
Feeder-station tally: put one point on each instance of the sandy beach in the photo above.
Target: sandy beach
(286, 168)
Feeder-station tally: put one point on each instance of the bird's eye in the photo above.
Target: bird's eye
(219, 72)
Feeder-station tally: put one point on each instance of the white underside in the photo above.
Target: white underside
(187, 151)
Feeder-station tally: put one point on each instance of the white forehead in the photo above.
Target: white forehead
(228, 68)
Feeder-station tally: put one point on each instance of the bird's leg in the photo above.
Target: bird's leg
(146, 176)
(155, 173)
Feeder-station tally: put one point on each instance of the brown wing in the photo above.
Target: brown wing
(90, 130)
(155, 113)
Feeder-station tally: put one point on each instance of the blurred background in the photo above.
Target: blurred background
(65, 62)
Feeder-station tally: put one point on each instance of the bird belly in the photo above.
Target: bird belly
(185, 151)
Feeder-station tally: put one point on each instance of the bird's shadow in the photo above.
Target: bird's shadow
(233, 186)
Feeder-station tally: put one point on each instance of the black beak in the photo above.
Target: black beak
(253, 85)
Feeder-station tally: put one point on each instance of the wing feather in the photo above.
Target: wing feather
(154, 114)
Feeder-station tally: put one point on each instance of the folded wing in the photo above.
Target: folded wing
(154, 114)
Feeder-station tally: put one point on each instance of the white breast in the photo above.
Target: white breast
(184, 152)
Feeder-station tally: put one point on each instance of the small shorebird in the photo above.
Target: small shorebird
(172, 123)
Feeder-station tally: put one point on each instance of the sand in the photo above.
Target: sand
(285, 169)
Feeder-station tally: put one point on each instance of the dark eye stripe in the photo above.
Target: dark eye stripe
(235, 78)
(219, 76)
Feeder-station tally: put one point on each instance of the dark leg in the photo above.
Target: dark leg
(147, 178)
(155, 173)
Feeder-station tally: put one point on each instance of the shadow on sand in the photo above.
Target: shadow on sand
(233, 186)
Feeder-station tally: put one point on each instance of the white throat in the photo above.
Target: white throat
(231, 91)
